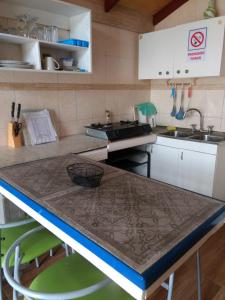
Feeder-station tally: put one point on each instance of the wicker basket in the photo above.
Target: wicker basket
(84, 174)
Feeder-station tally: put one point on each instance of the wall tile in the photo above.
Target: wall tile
(3, 137)
(214, 103)
(100, 37)
(6, 76)
(28, 99)
(222, 126)
(90, 104)
(34, 77)
(6, 98)
(99, 69)
(67, 106)
(216, 122)
(68, 128)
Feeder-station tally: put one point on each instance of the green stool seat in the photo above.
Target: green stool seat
(75, 273)
(33, 247)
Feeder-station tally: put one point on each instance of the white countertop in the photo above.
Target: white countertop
(71, 144)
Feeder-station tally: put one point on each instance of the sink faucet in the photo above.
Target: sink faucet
(200, 114)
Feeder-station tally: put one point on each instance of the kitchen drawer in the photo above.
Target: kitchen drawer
(188, 145)
(97, 155)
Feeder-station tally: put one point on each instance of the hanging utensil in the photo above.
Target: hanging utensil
(189, 95)
(174, 96)
(180, 115)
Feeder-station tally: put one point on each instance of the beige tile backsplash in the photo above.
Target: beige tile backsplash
(115, 53)
(210, 102)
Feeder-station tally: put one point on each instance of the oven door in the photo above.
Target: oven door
(136, 160)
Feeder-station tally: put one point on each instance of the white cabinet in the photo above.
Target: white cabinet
(189, 50)
(192, 170)
(73, 22)
(196, 171)
(156, 55)
(199, 48)
(164, 164)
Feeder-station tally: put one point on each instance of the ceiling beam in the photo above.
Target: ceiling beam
(167, 10)
(109, 4)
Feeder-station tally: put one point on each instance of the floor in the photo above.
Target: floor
(213, 273)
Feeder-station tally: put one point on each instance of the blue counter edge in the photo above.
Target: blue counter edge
(143, 281)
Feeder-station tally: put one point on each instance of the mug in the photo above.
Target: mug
(51, 64)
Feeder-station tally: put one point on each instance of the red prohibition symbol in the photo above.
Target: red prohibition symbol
(197, 39)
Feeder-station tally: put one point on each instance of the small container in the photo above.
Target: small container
(67, 61)
(85, 44)
(85, 174)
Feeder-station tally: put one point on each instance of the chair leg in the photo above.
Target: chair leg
(16, 270)
(51, 253)
(169, 286)
(66, 249)
(199, 286)
(1, 282)
(37, 263)
(170, 289)
(1, 275)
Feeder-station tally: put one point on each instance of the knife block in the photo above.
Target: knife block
(13, 141)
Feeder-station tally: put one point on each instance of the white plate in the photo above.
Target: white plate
(12, 66)
(15, 62)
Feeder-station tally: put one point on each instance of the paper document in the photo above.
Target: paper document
(40, 127)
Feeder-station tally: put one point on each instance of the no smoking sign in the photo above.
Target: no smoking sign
(197, 39)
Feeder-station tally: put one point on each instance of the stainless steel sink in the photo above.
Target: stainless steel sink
(177, 134)
(208, 138)
(203, 137)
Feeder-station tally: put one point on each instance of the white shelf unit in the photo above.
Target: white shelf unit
(67, 17)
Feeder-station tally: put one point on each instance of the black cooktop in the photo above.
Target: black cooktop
(114, 126)
(120, 130)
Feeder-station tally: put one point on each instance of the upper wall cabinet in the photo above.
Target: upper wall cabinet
(191, 50)
(156, 55)
(72, 23)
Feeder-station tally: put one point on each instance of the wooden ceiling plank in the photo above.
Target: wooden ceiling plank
(167, 10)
(109, 4)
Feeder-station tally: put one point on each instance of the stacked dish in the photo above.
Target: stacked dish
(15, 64)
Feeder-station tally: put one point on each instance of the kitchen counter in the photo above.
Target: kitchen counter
(133, 218)
(71, 144)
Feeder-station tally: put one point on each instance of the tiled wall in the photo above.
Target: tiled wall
(210, 97)
(114, 61)
(210, 102)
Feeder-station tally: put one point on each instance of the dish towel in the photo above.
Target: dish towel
(148, 109)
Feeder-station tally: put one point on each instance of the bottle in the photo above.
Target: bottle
(210, 12)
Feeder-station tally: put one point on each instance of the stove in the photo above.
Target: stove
(118, 131)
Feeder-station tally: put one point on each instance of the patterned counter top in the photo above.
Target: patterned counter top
(72, 144)
(135, 219)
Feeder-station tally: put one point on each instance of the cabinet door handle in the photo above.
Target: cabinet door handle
(151, 150)
(182, 156)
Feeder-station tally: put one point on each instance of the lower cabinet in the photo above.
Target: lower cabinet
(187, 169)
(164, 164)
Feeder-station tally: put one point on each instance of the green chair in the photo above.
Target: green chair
(30, 249)
(72, 273)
